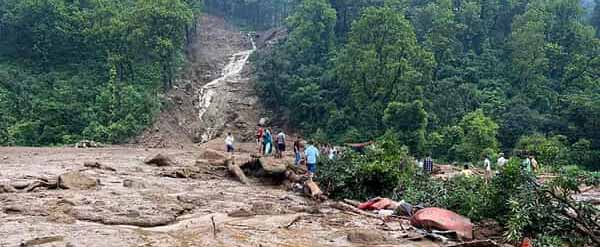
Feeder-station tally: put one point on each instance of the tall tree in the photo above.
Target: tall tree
(382, 62)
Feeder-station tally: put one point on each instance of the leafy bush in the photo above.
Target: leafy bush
(480, 136)
(581, 153)
(356, 176)
(513, 197)
(548, 151)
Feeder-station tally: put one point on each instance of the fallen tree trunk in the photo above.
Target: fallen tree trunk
(236, 171)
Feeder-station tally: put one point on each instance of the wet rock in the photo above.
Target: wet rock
(27, 210)
(6, 188)
(42, 241)
(242, 212)
(59, 212)
(128, 183)
(159, 160)
(194, 200)
(77, 181)
(210, 154)
(185, 172)
(366, 237)
(97, 165)
(128, 218)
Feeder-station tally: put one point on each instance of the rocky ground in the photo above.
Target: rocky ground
(192, 202)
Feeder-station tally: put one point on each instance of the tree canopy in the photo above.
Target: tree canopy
(87, 69)
(489, 72)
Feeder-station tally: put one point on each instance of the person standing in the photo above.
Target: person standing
(298, 150)
(281, 143)
(501, 161)
(259, 139)
(534, 163)
(312, 154)
(526, 165)
(332, 153)
(229, 143)
(267, 142)
(466, 171)
(488, 167)
(428, 164)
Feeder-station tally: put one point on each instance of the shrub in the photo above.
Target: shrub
(548, 151)
(356, 176)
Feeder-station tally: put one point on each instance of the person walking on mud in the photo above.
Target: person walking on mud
(297, 150)
(312, 154)
(280, 144)
(259, 139)
(229, 143)
(267, 142)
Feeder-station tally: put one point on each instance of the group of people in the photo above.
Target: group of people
(266, 141)
(529, 165)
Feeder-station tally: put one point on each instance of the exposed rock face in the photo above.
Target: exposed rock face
(76, 181)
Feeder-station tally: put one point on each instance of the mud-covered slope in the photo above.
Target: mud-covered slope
(232, 105)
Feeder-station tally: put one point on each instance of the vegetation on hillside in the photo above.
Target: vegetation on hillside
(87, 69)
(460, 79)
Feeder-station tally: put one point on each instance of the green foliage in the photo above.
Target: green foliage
(479, 138)
(596, 17)
(581, 152)
(252, 14)
(531, 66)
(302, 89)
(87, 70)
(409, 121)
(380, 64)
(548, 151)
(514, 198)
(365, 176)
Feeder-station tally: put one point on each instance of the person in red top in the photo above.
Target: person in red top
(259, 137)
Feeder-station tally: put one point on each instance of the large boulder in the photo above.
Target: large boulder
(76, 181)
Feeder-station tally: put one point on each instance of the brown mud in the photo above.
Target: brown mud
(134, 204)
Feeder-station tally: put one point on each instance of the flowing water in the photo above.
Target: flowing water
(231, 71)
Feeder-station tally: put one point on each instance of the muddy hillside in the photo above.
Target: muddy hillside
(215, 93)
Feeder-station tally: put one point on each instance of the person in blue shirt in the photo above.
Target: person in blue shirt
(311, 153)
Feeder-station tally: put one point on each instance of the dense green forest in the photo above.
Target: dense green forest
(459, 79)
(252, 14)
(72, 69)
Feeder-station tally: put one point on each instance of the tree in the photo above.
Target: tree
(381, 63)
(479, 136)
(409, 121)
(596, 17)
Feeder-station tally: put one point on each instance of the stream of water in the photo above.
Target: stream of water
(231, 72)
(232, 69)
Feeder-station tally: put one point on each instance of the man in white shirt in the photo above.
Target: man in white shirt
(501, 161)
(229, 143)
(488, 167)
